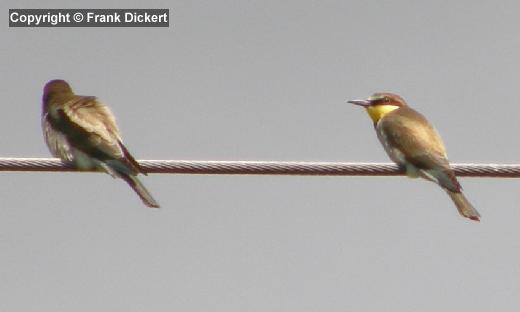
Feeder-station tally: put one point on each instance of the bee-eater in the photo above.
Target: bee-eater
(414, 145)
(82, 132)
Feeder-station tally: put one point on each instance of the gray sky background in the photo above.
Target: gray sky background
(265, 80)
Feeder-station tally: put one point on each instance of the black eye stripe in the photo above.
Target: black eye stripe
(380, 101)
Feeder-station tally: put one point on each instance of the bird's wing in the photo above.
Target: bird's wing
(96, 119)
(418, 142)
(57, 143)
(89, 115)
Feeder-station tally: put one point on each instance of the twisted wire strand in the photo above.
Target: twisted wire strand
(266, 167)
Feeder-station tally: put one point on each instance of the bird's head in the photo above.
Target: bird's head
(56, 91)
(380, 104)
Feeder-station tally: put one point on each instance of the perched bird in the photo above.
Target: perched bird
(82, 131)
(414, 145)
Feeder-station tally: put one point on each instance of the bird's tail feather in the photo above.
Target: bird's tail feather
(465, 208)
(139, 188)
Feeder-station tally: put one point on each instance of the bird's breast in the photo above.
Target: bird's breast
(393, 152)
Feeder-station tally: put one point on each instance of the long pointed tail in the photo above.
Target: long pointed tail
(139, 188)
(465, 208)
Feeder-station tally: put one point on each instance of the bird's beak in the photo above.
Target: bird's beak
(364, 103)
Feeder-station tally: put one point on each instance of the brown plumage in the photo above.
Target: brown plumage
(414, 144)
(82, 131)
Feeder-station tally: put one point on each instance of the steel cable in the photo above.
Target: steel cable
(266, 167)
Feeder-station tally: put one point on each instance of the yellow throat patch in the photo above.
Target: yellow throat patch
(379, 111)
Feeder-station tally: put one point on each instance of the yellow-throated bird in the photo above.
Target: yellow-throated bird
(414, 145)
(83, 132)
